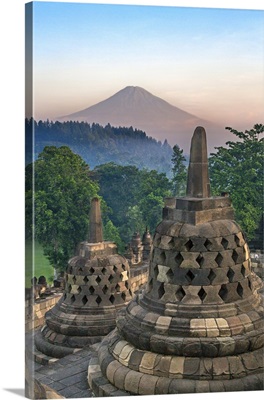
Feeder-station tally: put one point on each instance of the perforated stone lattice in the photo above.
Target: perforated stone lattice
(107, 285)
(218, 266)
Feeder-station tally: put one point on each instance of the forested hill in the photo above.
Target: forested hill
(98, 145)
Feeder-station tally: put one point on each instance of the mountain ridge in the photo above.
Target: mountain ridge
(134, 106)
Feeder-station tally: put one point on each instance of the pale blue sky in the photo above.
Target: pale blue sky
(208, 62)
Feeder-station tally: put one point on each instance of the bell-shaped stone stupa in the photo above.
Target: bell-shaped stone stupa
(198, 327)
(97, 286)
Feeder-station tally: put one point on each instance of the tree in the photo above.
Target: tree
(134, 196)
(179, 171)
(60, 192)
(238, 170)
(111, 233)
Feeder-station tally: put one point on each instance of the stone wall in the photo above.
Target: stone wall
(139, 276)
(36, 310)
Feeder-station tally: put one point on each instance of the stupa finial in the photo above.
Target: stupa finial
(96, 227)
(198, 178)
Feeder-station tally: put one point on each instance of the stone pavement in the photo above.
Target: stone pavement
(63, 378)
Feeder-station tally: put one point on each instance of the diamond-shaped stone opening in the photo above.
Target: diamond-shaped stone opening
(179, 259)
(238, 240)
(161, 290)
(211, 276)
(115, 268)
(98, 279)
(234, 256)
(92, 270)
(84, 300)
(117, 287)
(249, 284)
(230, 274)
(162, 257)
(126, 284)
(123, 295)
(190, 276)
(223, 292)
(91, 289)
(156, 271)
(207, 243)
(188, 245)
(98, 300)
(86, 280)
(202, 294)
(224, 243)
(200, 260)
(73, 299)
(80, 269)
(104, 270)
(111, 278)
(180, 293)
(130, 292)
(74, 279)
(79, 289)
(105, 289)
(112, 299)
(123, 267)
(243, 271)
(170, 274)
(219, 259)
(240, 289)
(69, 287)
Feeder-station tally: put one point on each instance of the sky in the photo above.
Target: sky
(208, 62)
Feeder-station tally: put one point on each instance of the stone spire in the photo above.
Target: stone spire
(198, 178)
(96, 227)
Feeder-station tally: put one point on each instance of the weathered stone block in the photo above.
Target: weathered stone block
(147, 363)
(211, 327)
(147, 385)
(162, 385)
(198, 327)
(176, 367)
(132, 380)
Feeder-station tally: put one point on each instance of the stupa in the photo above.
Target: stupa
(97, 286)
(147, 244)
(198, 327)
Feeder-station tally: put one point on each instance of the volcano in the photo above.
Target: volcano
(136, 107)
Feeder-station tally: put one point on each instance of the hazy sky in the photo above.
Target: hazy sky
(208, 62)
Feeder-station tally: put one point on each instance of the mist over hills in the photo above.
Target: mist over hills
(136, 107)
(98, 144)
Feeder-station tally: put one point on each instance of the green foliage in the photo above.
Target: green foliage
(179, 172)
(238, 170)
(60, 196)
(111, 233)
(99, 145)
(135, 197)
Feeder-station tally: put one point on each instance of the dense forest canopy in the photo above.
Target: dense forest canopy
(99, 145)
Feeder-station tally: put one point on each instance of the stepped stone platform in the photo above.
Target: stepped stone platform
(198, 326)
